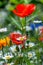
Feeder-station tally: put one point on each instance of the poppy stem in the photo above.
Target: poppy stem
(24, 29)
(23, 24)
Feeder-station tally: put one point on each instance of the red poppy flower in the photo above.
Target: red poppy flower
(24, 10)
(17, 38)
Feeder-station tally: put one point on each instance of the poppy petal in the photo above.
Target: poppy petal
(18, 14)
(20, 8)
(30, 8)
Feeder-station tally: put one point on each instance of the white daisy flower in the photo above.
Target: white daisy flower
(37, 21)
(3, 29)
(31, 44)
(6, 57)
(31, 54)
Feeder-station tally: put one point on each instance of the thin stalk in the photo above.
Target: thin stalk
(25, 25)
(21, 24)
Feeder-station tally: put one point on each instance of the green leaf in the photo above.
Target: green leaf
(14, 1)
(41, 1)
(27, 1)
(0, 3)
(15, 22)
(27, 60)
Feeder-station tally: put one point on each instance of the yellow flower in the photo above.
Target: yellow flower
(0, 45)
(4, 42)
(8, 40)
(1, 41)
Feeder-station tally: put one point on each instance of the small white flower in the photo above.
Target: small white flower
(37, 21)
(6, 57)
(28, 28)
(3, 29)
(13, 49)
(20, 54)
(31, 44)
(31, 54)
